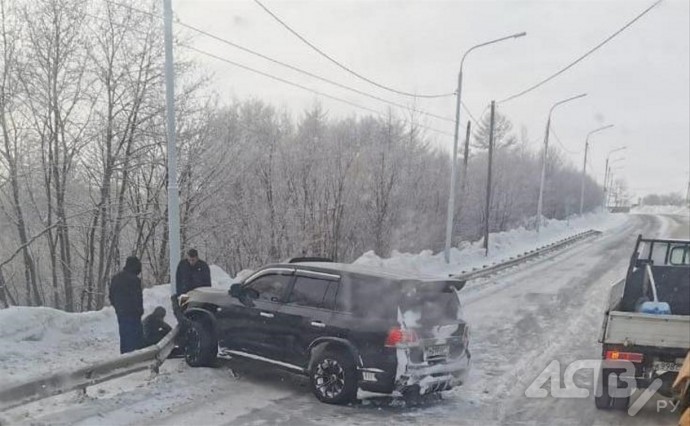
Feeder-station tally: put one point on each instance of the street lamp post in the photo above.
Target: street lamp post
(173, 196)
(543, 163)
(584, 165)
(453, 169)
(606, 175)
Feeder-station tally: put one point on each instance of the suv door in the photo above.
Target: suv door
(308, 313)
(251, 327)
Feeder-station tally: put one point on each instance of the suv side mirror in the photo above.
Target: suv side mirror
(236, 290)
(251, 293)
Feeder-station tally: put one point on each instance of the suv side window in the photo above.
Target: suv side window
(329, 299)
(309, 291)
(271, 287)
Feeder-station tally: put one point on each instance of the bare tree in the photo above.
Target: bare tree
(11, 149)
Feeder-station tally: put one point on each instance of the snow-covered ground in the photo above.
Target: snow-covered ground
(34, 341)
(502, 245)
(521, 319)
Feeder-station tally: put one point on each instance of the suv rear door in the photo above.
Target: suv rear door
(308, 313)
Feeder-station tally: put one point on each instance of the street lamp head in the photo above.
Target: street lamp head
(620, 148)
(561, 102)
(599, 129)
(517, 35)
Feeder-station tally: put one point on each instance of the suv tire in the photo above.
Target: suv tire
(333, 377)
(201, 348)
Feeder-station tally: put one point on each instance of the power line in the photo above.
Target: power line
(558, 140)
(291, 83)
(245, 67)
(268, 75)
(356, 74)
(294, 68)
(308, 73)
(576, 61)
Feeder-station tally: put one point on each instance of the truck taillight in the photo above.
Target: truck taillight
(400, 337)
(624, 356)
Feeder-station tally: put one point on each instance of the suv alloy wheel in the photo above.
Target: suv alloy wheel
(334, 377)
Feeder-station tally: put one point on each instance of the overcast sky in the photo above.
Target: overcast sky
(640, 81)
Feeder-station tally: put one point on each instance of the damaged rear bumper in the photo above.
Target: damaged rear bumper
(402, 375)
(436, 377)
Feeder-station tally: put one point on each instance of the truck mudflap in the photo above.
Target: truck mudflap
(431, 377)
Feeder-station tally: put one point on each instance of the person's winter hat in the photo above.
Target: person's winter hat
(133, 265)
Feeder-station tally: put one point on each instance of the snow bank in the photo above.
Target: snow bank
(671, 210)
(502, 245)
(35, 341)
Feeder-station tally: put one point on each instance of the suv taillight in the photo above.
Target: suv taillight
(399, 337)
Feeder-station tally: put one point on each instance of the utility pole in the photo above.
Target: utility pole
(488, 179)
(454, 158)
(173, 195)
(606, 175)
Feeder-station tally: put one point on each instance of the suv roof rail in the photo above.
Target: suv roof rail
(308, 259)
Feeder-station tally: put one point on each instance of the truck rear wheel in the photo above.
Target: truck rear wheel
(602, 399)
(620, 403)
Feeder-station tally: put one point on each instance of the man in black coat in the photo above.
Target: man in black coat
(192, 273)
(126, 297)
(155, 327)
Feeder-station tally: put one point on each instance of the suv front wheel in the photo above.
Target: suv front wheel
(333, 377)
(201, 347)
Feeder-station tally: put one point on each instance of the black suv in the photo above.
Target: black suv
(346, 326)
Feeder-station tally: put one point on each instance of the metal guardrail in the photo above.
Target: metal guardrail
(153, 356)
(57, 383)
(495, 267)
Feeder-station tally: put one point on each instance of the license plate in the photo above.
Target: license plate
(437, 351)
(666, 366)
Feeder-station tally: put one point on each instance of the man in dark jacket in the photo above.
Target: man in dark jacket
(155, 327)
(192, 273)
(126, 297)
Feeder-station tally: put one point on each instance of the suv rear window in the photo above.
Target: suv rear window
(433, 303)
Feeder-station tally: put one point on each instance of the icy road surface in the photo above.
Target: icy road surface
(522, 319)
